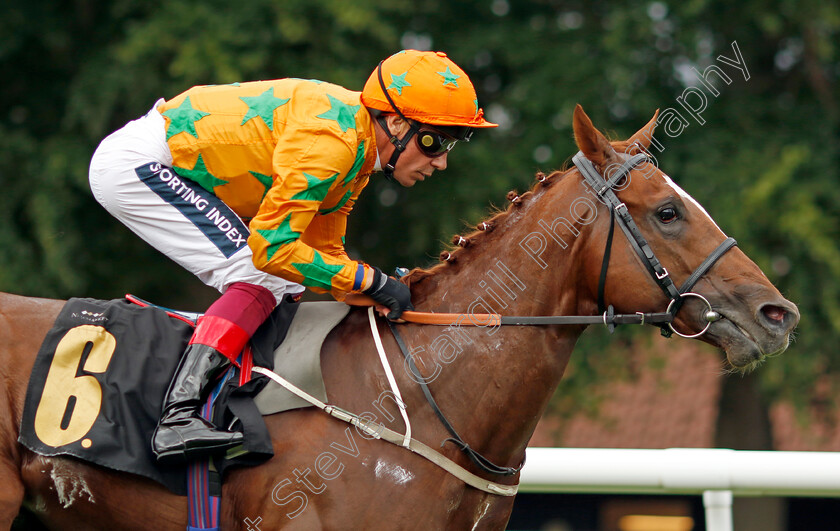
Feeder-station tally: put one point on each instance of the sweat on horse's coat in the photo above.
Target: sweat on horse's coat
(69, 486)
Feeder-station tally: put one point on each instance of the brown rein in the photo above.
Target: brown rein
(493, 319)
(431, 318)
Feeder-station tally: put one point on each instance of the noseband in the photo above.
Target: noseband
(604, 189)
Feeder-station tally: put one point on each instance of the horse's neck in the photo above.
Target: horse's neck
(528, 265)
(497, 382)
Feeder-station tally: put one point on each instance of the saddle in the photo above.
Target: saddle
(100, 377)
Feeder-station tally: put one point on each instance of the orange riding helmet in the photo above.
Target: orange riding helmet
(427, 87)
(424, 88)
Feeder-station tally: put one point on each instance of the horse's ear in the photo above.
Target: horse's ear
(644, 135)
(591, 142)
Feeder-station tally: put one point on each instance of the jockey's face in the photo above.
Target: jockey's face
(412, 165)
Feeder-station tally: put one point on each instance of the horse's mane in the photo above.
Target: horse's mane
(461, 243)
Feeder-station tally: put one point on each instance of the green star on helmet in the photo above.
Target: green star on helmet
(318, 274)
(398, 82)
(182, 119)
(342, 113)
(449, 77)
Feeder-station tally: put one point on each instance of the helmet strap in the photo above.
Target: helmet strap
(399, 147)
(399, 144)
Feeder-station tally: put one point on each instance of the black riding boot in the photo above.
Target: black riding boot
(181, 433)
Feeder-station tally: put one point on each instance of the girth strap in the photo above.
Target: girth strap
(391, 436)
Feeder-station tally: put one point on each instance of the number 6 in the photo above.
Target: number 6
(62, 384)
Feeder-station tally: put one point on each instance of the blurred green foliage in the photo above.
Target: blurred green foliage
(765, 163)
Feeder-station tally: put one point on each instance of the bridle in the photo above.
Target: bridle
(604, 189)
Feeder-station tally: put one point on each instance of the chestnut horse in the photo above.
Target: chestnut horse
(543, 257)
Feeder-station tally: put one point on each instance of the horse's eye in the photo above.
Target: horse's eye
(667, 215)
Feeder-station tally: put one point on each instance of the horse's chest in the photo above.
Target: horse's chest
(479, 511)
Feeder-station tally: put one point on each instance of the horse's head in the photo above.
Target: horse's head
(755, 320)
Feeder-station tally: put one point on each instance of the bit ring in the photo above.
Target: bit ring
(706, 313)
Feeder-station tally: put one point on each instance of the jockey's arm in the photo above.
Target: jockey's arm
(326, 232)
(296, 235)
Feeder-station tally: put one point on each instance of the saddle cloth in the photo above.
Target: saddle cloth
(99, 380)
(298, 358)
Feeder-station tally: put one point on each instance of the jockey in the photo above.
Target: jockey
(249, 185)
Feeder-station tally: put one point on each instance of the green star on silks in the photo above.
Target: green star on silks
(318, 274)
(182, 119)
(199, 174)
(263, 106)
(357, 164)
(316, 189)
(265, 180)
(341, 203)
(282, 235)
(449, 77)
(398, 82)
(343, 114)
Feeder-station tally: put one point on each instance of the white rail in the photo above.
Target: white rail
(717, 474)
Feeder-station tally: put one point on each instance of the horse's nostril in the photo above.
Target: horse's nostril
(774, 313)
(778, 317)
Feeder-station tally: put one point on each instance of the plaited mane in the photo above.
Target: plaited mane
(462, 244)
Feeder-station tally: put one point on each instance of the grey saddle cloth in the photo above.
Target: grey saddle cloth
(298, 358)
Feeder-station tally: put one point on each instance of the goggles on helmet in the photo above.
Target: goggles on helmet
(433, 143)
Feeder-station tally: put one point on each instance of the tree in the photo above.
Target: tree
(763, 161)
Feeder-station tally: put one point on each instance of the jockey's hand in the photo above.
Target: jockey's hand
(389, 292)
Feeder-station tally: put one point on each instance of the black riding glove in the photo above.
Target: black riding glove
(389, 292)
